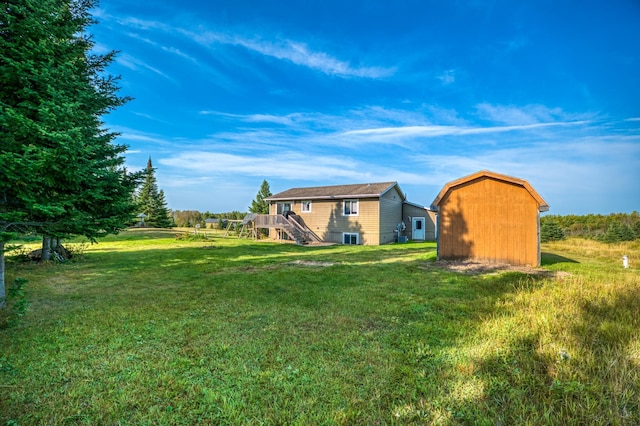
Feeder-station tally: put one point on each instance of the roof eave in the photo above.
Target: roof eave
(324, 197)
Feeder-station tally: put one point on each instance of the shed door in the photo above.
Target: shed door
(417, 228)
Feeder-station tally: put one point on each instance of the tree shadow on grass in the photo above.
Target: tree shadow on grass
(591, 378)
(605, 331)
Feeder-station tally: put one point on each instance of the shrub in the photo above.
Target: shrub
(551, 231)
(617, 232)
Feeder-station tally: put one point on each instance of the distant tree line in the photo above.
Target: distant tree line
(615, 227)
(191, 218)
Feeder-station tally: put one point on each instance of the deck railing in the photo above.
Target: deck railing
(291, 226)
(270, 221)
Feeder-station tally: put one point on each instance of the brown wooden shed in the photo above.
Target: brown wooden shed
(489, 217)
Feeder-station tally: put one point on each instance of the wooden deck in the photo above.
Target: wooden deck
(291, 225)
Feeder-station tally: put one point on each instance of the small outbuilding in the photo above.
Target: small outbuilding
(211, 222)
(489, 217)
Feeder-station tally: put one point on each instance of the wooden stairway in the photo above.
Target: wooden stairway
(293, 226)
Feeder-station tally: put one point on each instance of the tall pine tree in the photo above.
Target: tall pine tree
(259, 205)
(60, 173)
(151, 200)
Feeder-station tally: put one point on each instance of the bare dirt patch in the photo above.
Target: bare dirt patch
(475, 267)
(313, 263)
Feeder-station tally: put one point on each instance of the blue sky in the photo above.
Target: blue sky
(308, 93)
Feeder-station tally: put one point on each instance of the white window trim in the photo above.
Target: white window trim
(344, 234)
(344, 203)
(302, 204)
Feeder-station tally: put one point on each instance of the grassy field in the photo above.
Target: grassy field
(148, 329)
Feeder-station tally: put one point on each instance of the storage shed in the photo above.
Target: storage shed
(489, 217)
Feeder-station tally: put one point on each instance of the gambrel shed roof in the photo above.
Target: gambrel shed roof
(542, 204)
(360, 190)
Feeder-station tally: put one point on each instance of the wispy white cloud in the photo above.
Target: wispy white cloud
(100, 49)
(447, 77)
(298, 165)
(524, 115)
(168, 49)
(370, 126)
(339, 123)
(287, 119)
(136, 64)
(143, 24)
(403, 132)
(301, 54)
(146, 40)
(294, 51)
(179, 53)
(149, 117)
(181, 181)
(559, 165)
(127, 134)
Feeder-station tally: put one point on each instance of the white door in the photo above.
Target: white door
(417, 228)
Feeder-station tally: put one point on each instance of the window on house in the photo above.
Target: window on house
(306, 207)
(350, 238)
(283, 207)
(350, 208)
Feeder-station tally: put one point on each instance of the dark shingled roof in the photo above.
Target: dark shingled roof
(360, 190)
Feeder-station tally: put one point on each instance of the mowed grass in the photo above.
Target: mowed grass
(148, 329)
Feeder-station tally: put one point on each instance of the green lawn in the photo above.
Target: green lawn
(148, 329)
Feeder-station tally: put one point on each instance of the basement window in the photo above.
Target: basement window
(350, 238)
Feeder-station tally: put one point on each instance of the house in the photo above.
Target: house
(211, 223)
(489, 217)
(368, 214)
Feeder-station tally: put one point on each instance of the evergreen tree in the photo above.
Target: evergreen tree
(259, 205)
(618, 232)
(151, 200)
(551, 231)
(61, 174)
(164, 217)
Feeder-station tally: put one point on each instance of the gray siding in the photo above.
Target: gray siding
(390, 215)
(409, 211)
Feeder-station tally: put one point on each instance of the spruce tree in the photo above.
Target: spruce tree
(551, 231)
(617, 232)
(259, 205)
(151, 200)
(60, 171)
